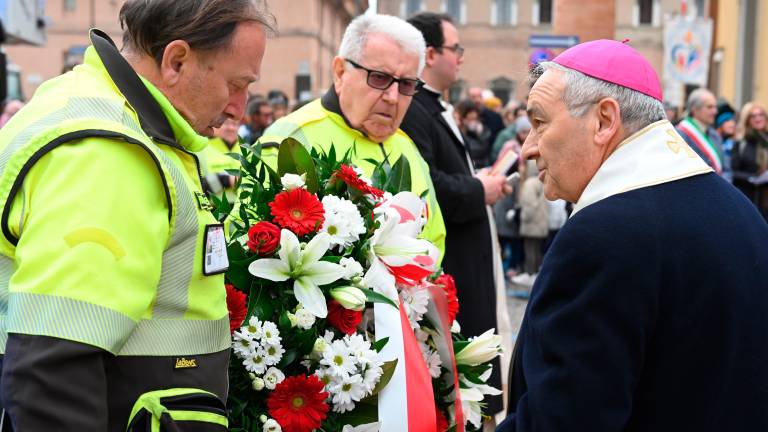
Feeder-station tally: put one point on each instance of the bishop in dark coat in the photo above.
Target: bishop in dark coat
(650, 312)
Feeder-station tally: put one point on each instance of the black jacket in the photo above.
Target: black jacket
(650, 313)
(468, 249)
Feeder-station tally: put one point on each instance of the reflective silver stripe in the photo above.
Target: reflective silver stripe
(80, 321)
(167, 337)
(6, 270)
(69, 319)
(179, 256)
(77, 108)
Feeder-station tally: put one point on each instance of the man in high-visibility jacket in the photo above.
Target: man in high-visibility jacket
(375, 77)
(111, 263)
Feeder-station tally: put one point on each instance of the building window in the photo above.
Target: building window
(542, 12)
(69, 5)
(646, 13)
(503, 88)
(456, 9)
(504, 12)
(411, 7)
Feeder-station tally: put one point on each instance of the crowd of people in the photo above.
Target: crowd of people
(492, 226)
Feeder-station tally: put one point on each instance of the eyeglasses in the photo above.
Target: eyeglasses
(382, 80)
(457, 49)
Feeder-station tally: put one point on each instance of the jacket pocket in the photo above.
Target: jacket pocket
(178, 410)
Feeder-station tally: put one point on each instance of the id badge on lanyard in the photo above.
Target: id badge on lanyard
(215, 259)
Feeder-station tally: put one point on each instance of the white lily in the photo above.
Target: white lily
(304, 267)
(350, 297)
(395, 254)
(480, 349)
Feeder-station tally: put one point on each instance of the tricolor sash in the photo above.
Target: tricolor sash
(703, 143)
(656, 154)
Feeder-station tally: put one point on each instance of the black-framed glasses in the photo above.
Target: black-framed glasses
(382, 80)
(457, 49)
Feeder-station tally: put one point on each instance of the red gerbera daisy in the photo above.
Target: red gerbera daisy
(237, 306)
(348, 175)
(298, 211)
(449, 285)
(298, 403)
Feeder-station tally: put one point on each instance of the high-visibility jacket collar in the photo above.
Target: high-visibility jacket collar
(157, 116)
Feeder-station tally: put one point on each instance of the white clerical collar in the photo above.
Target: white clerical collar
(432, 89)
(654, 155)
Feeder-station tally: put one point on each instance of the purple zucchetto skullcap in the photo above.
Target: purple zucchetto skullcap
(614, 62)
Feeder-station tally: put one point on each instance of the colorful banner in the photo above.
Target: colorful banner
(687, 47)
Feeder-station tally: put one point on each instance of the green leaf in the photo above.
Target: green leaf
(379, 344)
(364, 412)
(259, 303)
(374, 297)
(399, 178)
(285, 322)
(459, 345)
(288, 357)
(388, 369)
(295, 159)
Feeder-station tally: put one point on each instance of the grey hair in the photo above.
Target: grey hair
(406, 36)
(638, 110)
(695, 99)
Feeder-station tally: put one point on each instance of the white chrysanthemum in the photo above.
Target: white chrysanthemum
(328, 336)
(324, 377)
(252, 329)
(347, 392)
(273, 377)
(371, 378)
(269, 333)
(273, 354)
(415, 300)
(272, 425)
(338, 359)
(255, 362)
(359, 348)
(432, 359)
(292, 181)
(243, 345)
(343, 222)
(305, 319)
(352, 268)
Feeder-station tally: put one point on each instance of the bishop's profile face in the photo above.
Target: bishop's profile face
(562, 145)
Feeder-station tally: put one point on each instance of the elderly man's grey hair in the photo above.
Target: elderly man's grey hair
(406, 36)
(638, 110)
(695, 99)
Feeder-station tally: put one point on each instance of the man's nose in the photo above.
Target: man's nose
(530, 148)
(391, 93)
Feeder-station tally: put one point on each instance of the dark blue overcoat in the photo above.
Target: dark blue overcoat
(650, 314)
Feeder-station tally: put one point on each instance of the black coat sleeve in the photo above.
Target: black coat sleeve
(587, 328)
(460, 195)
(53, 384)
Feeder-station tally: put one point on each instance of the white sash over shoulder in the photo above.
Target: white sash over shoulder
(656, 154)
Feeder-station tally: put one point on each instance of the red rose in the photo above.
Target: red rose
(345, 320)
(449, 286)
(263, 238)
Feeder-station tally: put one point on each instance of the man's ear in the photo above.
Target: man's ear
(176, 55)
(608, 121)
(338, 66)
(430, 55)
